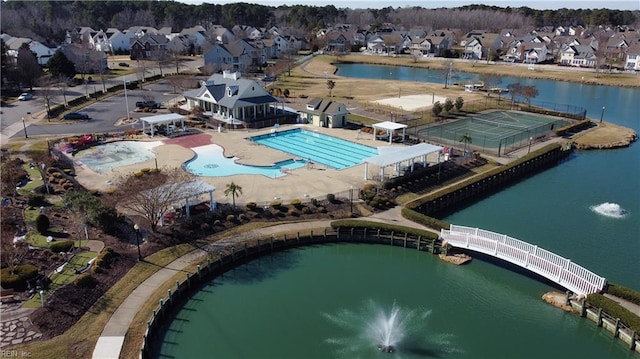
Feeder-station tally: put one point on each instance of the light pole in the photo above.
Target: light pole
(137, 230)
(602, 114)
(126, 99)
(530, 141)
(351, 200)
(24, 125)
(41, 298)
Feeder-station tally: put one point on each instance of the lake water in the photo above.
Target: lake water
(314, 302)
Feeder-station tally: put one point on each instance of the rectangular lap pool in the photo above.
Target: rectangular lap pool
(318, 148)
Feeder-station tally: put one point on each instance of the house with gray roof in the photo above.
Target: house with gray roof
(578, 55)
(325, 113)
(228, 98)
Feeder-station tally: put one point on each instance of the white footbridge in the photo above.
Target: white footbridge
(561, 270)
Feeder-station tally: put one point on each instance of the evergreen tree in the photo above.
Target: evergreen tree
(60, 65)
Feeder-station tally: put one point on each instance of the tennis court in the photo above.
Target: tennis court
(492, 131)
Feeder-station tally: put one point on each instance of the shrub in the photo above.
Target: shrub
(42, 223)
(615, 310)
(231, 218)
(624, 293)
(36, 200)
(368, 187)
(86, 280)
(322, 210)
(145, 170)
(275, 204)
(217, 222)
(306, 210)
(296, 203)
(104, 259)
(243, 217)
(138, 174)
(293, 212)
(314, 202)
(61, 246)
(17, 280)
(331, 197)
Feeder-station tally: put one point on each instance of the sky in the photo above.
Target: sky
(377, 4)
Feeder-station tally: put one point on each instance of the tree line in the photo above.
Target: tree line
(48, 21)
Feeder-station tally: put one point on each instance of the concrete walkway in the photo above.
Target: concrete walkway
(110, 342)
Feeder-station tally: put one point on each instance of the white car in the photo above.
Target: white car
(25, 96)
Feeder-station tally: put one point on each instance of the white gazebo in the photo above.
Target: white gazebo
(152, 121)
(186, 191)
(394, 156)
(390, 127)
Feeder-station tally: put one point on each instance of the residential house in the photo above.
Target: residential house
(119, 41)
(632, 62)
(220, 34)
(43, 53)
(197, 34)
(616, 49)
(148, 46)
(337, 42)
(236, 56)
(181, 44)
(472, 49)
(101, 42)
(376, 45)
(229, 98)
(578, 55)
(325, 113)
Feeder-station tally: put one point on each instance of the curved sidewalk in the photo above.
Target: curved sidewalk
(110, 342)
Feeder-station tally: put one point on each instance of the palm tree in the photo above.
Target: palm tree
(234, 190)
(466, 139)
(330, 85)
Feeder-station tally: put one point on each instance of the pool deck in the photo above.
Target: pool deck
(300, 183)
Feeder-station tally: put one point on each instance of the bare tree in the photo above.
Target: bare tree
(63, 84)
(490, 81)
(47, 92)
(13, 253)
(151, 195)
(528, 92)
(447, 72)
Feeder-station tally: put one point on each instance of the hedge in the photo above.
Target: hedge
(492, 172)
(17, 280)
(615, 310)
(624, 293)
(351, 223)
(574, 127)
(424, 220)
(61, 246)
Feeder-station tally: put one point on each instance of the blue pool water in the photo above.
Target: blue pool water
(210, 161)
(319, 148)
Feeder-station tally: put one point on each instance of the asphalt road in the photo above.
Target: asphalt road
(104, 114)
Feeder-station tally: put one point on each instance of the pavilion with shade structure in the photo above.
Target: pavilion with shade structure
(152, 121)
(394, 156)
(390, 127)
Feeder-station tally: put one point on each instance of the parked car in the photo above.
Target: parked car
(76, 116)
(268, 79)
(25, 96)
(123, 64)
(148, 104)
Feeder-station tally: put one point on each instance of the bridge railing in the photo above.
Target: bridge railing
(538, 260)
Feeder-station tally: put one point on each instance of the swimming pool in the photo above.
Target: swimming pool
(210, 161)
(105, 157)
(319, 148)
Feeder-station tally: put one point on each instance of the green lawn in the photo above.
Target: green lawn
(67, 275)
(36, 180)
